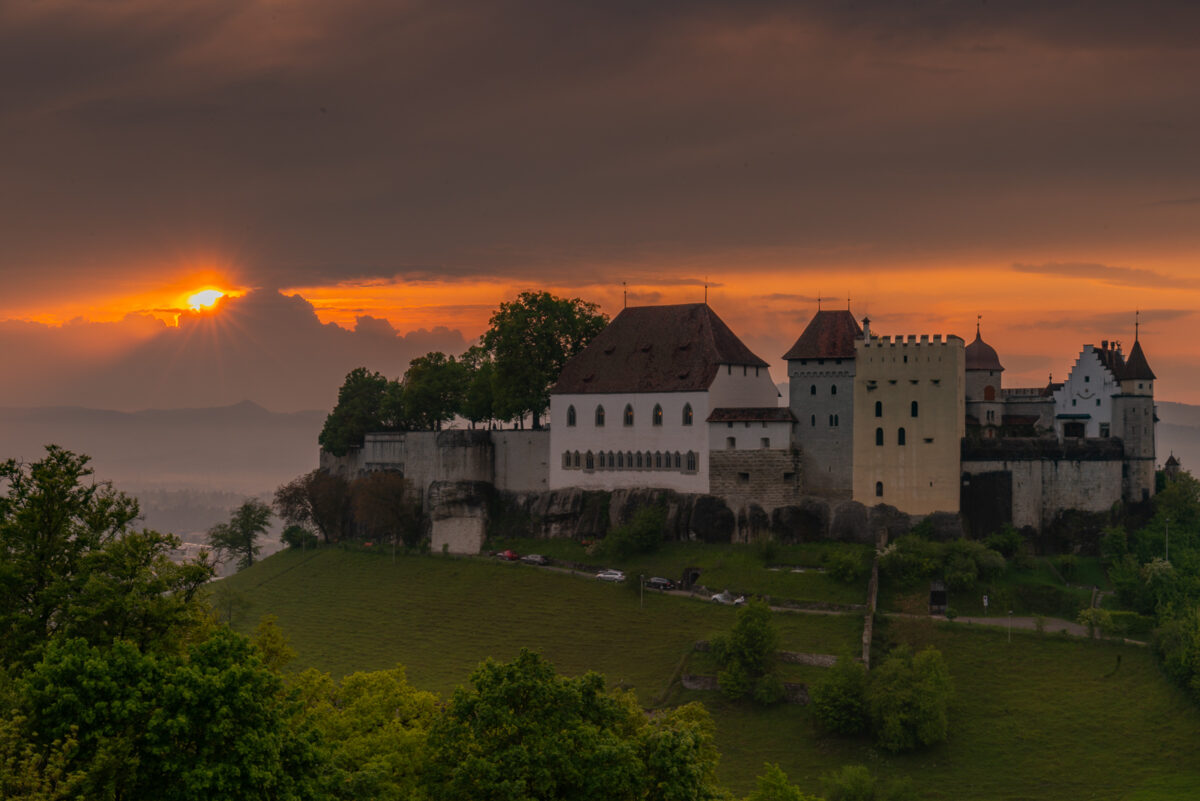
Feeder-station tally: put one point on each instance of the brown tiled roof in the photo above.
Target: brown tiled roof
(1135, 368)
(829, 335)
(656, 349)
(1172, 461)
(757, 414)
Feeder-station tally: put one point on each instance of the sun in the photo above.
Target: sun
(204, 299)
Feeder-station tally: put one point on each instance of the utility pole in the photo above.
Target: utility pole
(1167, 538)
(641, 590)
(1010, 626)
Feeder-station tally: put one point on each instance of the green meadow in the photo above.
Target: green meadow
(1042, 717)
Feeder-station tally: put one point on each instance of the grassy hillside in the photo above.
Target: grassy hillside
(1043, 718)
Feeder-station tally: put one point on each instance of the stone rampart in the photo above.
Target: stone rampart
(768, 478)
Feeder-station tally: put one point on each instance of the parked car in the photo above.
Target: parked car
(727, 598)
(610, 575)
(660, 583)
(509, 555)
(535, 559)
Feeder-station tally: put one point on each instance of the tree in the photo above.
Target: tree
(71, 564)
(362, 407)
(295, 536)
(748, 655)
(239, 536)
(908, 699)
(374, 725)
(477, 402)
(385, 509)
(840, 698)
(520, 732)
(531, 339)
(773, 785)
(433, 390)
(319, 499)
(210, 723)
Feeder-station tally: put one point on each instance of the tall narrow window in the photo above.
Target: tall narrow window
(687, 414)
(571, 415)
(812, 390)
(599, 416)
(639, 458)
(566, 460)
(879, 436)
(677, 462)
(628, 415)
(914, 408)
(621, 460)
(657, 415)
(658, 459)
(576, 458)
(900, 437)
(879, 408)
(878, 489)
(814, 419)
(833, 389)
(589, 461)
(691, 461)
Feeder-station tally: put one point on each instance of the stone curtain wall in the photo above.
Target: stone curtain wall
(769, 478)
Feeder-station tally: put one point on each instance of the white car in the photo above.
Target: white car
(610, 575)
(726, 597)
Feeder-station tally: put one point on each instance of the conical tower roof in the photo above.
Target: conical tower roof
(982, 356)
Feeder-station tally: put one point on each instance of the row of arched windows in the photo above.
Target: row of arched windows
(901, 439)
(913, 409)
(629, 460)
(656, 417)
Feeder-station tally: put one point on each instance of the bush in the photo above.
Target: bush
(1114, 544)
(1007, 541)
(851, 783)
(643, 534)
(298, 537)
(1177, 643)
(846, 565)
(840, 698)
(908, 699)
(773, 785)
(768, 550)
(1067, 565)
(1130, 624)
(1095, 619)
(748, 655)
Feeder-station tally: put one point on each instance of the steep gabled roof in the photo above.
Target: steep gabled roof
(656, 349)
(829, 335)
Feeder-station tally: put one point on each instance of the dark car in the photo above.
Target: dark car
(660, 583)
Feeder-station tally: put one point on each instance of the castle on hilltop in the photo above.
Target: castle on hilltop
(668, 396)
(667, 402)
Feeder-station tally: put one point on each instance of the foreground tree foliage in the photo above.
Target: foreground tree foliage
(239, 537)
(908, 699)
(839, 701)
(72, 566)
(520, 732)
(318, 499)
(385, 510)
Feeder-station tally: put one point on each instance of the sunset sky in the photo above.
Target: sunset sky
(368, 180)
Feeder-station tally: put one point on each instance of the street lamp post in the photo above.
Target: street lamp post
(1167, 538)
(1010, 625)
(641, 590)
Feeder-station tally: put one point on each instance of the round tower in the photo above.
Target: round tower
(984, 396)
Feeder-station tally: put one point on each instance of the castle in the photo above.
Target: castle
(669, 398)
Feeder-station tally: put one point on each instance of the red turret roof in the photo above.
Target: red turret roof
(982, 356)
(829, 335)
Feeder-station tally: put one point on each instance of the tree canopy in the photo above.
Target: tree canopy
(363, 405)
(239, 537)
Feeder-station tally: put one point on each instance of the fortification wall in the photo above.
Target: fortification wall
(520, 460)
(769, 478)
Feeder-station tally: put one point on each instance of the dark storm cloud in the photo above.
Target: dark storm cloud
(1106, 274)
(314, 142)
(262, 347)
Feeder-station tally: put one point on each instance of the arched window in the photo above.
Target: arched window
(658, 459)
(628, 415)
(648, 457)
(678, 463)
(576, 458)
(812, 390)
(589, 461)
(900, 437)
(879, 436)
(691, 461)
(571, 415)
(639, 458)
(657, 419)
(600, 460)
(629, 459)
(620, 459)
(566, 460)
(878, 489)
(599, 416)
(833, 389)
(879, 408)
(687, 414)
(914, 408)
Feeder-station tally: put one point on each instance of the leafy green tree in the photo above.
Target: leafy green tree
(295, 536)
(385, 509)
(840, 698)
(433, 390)
(239, 537)
(1177, 643)
(642, 534)
(531, 339)
(478, 400)
(374, 725)
(850, 783)
(318, 499)
(211, 723)
(748, 655)
(520, 732)
(71, 564)
(908, 699)
(362, 407)
(773, 785)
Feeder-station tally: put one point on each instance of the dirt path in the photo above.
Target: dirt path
(1052, 624)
